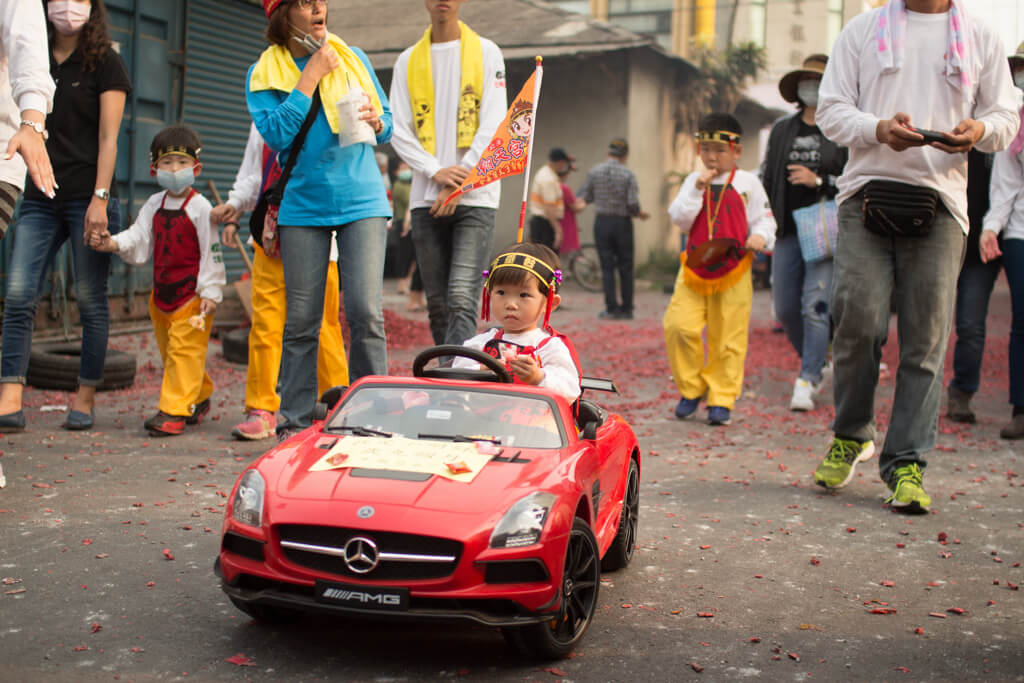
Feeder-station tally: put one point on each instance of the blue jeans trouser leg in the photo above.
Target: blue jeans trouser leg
(613, 237)
(42, 227)
(868, 268)
(451, 254)
(973, 290)
(801, 292)
(1013, 262)
(304, 257)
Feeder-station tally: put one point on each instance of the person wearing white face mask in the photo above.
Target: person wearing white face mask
(92, 84)
(799, 170)
(173, 228)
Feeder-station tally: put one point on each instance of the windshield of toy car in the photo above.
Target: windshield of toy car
(449, 413)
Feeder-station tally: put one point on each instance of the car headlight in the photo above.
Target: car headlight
(247, 507)
(524, 521)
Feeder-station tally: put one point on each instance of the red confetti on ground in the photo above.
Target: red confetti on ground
(901, 545)
(919, 631)
(851, 529)
(150, 584)
(80, 648)
(758, 576)
(96, 627)
(704, 547)
(888, 584)
(937, 615)
(168, 554)
(943, 536)
(815, 561)
(956, 610)
(696, 667)
(87, 541)
(794, 656)
(705, 615)
(754, 639)
(627, 605)
(884, 610)
(553, 671)
(240, 660)
(901, 668)
(990, 603)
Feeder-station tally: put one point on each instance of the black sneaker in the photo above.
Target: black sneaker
(199, 411)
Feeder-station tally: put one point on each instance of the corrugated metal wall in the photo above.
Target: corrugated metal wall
(223, 39)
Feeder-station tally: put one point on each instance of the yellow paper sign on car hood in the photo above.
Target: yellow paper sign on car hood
(455, 461)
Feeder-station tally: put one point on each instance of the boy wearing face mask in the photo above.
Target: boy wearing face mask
(173, 228)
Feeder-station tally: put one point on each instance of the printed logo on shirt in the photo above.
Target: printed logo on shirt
(806, 151)
(215, 250)
(499, 79)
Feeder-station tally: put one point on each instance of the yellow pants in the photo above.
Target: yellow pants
(269, 311)
(726, 315)
(183, 351)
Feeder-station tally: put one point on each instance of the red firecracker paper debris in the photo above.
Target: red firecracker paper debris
(553, 671)
(919, 631)
(943, 536)
(888, 584)
(696, 667)
(754, 639)
(815, 561)
(168, 554)
(956, 610)
(240, 660)
(937, 615)
(705, 615)
(794, 656)
(883, 610)
(96, 627)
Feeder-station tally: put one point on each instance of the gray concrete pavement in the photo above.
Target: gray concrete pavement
(745, 568)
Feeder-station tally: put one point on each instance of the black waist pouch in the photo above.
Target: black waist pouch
(894, 209)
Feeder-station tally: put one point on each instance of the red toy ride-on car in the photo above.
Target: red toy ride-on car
(450, 495)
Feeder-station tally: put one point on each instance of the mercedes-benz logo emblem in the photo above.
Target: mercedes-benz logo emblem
(365, 512)
(361, 555)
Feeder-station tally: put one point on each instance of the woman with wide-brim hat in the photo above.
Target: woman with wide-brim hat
(800, 169)
(332, 188)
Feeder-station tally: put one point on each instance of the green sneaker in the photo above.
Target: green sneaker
(836, 470)
(907, 490)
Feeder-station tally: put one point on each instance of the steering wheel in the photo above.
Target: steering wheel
(495, 372)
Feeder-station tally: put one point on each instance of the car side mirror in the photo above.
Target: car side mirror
(320, 411)
(590, 431)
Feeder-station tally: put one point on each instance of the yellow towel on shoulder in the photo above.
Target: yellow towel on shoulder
(471, 88)
(277, 70)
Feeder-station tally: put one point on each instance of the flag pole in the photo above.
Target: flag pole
(529, 149)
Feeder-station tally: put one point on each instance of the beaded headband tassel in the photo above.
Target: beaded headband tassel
(718, 136)
(185, 150)
(551, 278)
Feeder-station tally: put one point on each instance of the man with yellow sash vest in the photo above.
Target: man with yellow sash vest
(448, 95)
(729, 206)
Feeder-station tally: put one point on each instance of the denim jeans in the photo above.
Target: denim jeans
(800, 292)
(451, 254)
(613, 237)
(304, 257)
(1013, 262)
(868, 268)
(41, 228)
(973, 290)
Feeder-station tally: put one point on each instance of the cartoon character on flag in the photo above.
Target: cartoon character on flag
(509, 150)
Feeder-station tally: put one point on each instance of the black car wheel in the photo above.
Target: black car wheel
(585, 266)
(265, 613)
(622, 549)
(56, 366)
(581, 580)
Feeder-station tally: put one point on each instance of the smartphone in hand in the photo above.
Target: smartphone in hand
(932, 136)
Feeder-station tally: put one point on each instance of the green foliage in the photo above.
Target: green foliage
(725, 74)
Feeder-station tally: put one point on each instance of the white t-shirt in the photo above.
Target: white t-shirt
(446, 70)
(135, 245)
(560, 374)
(546, 191)
(855, 95)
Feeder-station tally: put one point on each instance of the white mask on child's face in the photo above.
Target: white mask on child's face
(176, 182)
(68, 17)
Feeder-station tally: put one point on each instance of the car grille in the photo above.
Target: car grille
(402, 557)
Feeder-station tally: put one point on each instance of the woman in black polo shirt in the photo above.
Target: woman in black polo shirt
(92, 84)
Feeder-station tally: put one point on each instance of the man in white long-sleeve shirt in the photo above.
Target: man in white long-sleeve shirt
(26, 97)
(448, 98)
(915, 64)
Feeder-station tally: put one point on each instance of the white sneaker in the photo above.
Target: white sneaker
(803, 395)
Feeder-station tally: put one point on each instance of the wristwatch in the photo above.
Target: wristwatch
(818, 182)
(37, 127)
(102, 193)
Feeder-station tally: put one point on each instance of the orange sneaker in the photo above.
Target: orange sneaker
(258, 424)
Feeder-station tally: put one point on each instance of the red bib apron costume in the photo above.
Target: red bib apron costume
(175, 256)
(724, 214)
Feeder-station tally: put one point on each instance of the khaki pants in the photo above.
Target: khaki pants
(268, 317)
(726, 315)
(183, 351)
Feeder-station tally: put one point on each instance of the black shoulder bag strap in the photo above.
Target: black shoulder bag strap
(276, 193)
